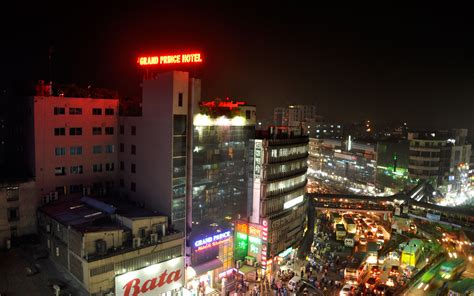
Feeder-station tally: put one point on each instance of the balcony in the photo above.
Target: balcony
(423, 158)
(287, 158)
(424, 168)
(277, 176)
(425, 149)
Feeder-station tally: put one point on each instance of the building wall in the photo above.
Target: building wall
(161, 147)
(19, 197)
(47, 144)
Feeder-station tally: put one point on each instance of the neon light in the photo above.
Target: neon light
(241, 227)
(255, 240)
(185, 58)
(205, 120)
(254, 231)
(213, 244)
(212, 239)
(293, 202)
(263, 260)
(222, 104)
(241, 235)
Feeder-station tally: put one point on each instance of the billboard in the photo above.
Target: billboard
(152, 280)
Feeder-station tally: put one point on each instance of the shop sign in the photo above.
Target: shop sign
(212, 241)
(152, 280)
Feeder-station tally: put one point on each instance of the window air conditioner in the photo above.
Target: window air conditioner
(136, 242)
(154, 238)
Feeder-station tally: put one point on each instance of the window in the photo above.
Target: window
(97, 131)
(60, 171)
(133, 168)
(75, 189)
(109, 130)
(247, 114)
(122, 129)
(134, 130)
(13, 231)
(75, 111)
(13, 193)
(180, 99)
(134, 149)
(122, 183)
(13, 214)
(97, 168)
(141, 232)
(59, 111)
(77, 150)
(96, 149)
(122, 147)
(76, 169)
(122, 165)
(109, 167)
(109, 111)
(96, 111)
(133, 187)
(75, 131)
(179, 125)
(59, 151)
(109, 148)
(60, 131)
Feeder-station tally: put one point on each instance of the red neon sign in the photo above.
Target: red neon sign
(184, 58)
(222, 104)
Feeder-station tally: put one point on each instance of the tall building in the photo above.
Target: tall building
(222, 130)
(73, 144)
(440, 156)
(155, 148)
(305, 116)
(277, 183)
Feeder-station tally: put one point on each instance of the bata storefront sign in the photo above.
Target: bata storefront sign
(151, 280)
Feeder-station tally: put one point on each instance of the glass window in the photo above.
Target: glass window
(60, 131)
(75, 131)
(109, 167)
(134, 149)
(97, 168)
(109, 111)
(109, 148)
(122, 147)
(59, 111)
(133, 186)
(133, 168)
(75, 150)
(134, 130)
(179, 146)
(76, 169)
(122, 129)
(109, 130)
(97, 131)
(122, 165)
(59, 151)
(96, 111)
(180, 99)
(96, 149)
(179, 125)
(13, 214)
(75, 111)
(60, 171)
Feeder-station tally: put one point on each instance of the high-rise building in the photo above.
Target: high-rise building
(277, 184)
(440, 156)
(222, 130)
(305, 116)
(155, 148)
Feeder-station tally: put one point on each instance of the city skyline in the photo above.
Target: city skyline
(393, 65)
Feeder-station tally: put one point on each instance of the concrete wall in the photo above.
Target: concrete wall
(26, 203)
(45, 141)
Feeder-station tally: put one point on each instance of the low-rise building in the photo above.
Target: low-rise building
(113, 246)
(18, 203)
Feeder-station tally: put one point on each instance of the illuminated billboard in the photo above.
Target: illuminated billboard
(152, 280)
(212, 241)
(181, 58)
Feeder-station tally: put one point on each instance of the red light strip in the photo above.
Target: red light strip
(184, 58)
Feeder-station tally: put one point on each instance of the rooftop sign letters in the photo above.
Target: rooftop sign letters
(184, 58)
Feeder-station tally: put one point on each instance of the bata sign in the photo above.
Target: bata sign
(184, 58)
(152, 280)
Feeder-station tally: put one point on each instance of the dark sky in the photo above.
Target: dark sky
(384, 63)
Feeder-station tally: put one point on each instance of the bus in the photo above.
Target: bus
(452, 268)
(350, 225)
(427, 278)
(356, 268)
(340, 232)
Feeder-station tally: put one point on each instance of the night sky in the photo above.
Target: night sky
(379, 63)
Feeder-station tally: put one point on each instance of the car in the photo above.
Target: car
(347, 290)
(370, 234)
(380, 235)
(368, 221)
(362, 240)
(370, 284)
(375, 271)
(394, 271)
(390, 281)
(373, 227)
(379, 245)
(380, 289)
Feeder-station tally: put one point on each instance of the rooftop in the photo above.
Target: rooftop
(89, 215)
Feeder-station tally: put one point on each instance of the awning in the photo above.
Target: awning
(205, 267)
(247, 269)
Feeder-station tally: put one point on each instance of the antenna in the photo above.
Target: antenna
(51, 49)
